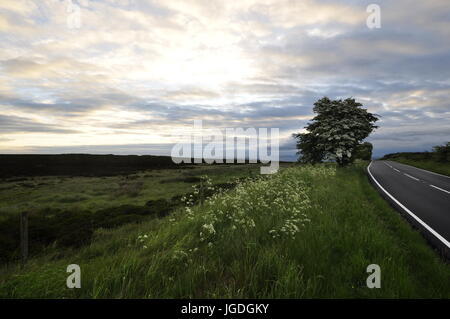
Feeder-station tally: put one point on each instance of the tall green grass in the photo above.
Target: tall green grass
(65, 220)
(306, 232)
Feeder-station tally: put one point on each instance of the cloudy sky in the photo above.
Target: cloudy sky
(134, 74)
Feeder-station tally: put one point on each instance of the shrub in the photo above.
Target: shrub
(442, 152)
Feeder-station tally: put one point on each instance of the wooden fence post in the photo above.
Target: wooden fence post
(24, 236)
(201, 191)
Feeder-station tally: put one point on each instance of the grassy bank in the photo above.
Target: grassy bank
(66, 211)
(93, 193)
(423, 160)
(306, 232)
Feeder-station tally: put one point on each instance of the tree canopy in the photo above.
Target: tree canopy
(363, 151)
(335, 132)
(443, 152)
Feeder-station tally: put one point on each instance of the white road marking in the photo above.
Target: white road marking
(431, 230)
(425, 170)
(392, 167)
(411, 177)
(440, 189)
(387, 164)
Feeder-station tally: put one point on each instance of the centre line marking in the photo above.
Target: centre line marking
(411, 177)
(387, 164)
(440, 189)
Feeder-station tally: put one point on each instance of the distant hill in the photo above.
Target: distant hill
(440, 153)
(80, 164)
(12, 165)
(410, 155)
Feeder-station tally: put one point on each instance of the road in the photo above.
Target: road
(422, 196)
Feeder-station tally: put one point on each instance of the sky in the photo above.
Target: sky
(131, 76)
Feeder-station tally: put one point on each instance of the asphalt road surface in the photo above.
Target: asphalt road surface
(422, 196)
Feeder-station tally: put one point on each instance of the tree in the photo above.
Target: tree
(442, 152)
(335, 132)
(310, 153)
(363, 151)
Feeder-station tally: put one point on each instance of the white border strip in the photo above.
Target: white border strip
(431, 230)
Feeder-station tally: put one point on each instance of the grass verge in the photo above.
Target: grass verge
(306, 232)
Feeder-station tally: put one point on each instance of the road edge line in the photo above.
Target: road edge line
(421, 222)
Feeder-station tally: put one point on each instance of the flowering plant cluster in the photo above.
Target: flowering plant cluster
(142, 240)
(277, 204)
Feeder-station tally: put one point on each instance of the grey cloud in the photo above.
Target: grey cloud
(68, 107)
(16, 124)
